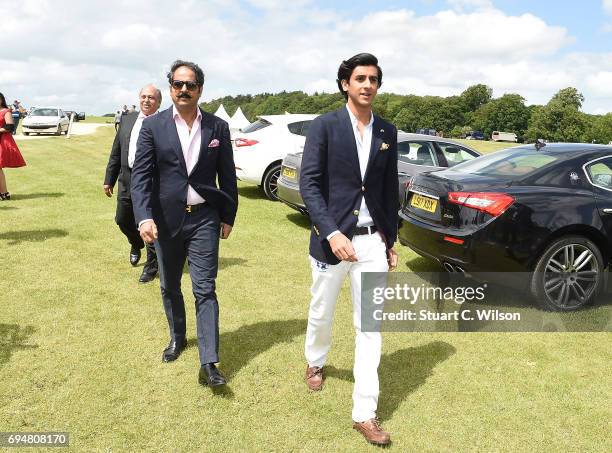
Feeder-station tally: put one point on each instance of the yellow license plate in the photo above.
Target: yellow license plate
(424, 203)
(289, 173)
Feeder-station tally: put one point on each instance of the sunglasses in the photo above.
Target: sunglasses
(178, 84)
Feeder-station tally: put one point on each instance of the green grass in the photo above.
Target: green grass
(81, 342)
(486, 147)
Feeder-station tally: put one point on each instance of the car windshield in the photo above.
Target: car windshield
(259, 124)
(44, 112)
(507, 163)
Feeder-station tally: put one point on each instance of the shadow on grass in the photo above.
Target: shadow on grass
(252, 193)
(16, 237)
(13, 338)
(31, 196)
(401, 373)
(300, 220)
(241, 346)
(420, 264)
(7, 208)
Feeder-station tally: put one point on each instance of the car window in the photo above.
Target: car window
(299, 127)
(257, 125)
(456, 154)
(417, 153)
(600, 173)
(507, 163)
(44, 112)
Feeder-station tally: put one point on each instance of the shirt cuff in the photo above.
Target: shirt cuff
(143, 221)
(332, 234)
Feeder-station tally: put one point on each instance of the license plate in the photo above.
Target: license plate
(424, 203)
(289, 173)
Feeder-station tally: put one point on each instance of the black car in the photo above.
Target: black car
(541, 209)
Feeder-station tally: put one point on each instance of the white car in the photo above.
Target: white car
(48, 120)
(260, 148)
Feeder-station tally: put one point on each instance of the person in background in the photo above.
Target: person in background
(10, 156)
(119, 167)
(117, 119)
(16, 113)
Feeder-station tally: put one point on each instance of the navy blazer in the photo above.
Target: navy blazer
(331, 184)
(160, 179)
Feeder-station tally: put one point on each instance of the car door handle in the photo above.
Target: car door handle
(607, 211)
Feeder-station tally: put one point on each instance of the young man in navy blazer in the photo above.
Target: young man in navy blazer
(181, 153)
(349, 185)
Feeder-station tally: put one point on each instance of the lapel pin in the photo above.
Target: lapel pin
(382, 131)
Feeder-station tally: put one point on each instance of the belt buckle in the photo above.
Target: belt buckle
(188, 208)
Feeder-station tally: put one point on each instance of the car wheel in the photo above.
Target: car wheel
(568, 275)
(26, 133)
(270, 182)
(59, 130)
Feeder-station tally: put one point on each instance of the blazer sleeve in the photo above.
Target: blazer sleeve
(114, 161)
(312, 174)
(142, 174)
(391, 203)
(226, 173)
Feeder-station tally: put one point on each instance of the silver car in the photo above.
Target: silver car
(45, 120)
(417, 153)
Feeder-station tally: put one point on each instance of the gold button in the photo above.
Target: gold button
(362, 188)
(356, 212)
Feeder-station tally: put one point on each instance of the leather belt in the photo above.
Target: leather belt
(191, 208)
(365, 230)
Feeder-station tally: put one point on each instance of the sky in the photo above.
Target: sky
(94, 56)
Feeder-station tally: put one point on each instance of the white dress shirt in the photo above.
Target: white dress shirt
(134, 139)
(190, 144)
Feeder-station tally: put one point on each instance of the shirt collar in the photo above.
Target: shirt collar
(175, 113)
(142, 116)
(354, 118)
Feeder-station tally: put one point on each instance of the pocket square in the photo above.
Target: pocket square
(213, 143)
(384, 146)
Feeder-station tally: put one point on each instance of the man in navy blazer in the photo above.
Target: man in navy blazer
(181, 153)
(349, 185)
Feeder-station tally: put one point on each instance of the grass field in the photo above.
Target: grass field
(81, 342)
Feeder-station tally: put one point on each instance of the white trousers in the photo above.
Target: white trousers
(326, 284)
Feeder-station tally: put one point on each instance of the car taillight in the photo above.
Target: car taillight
(493, 203)
(244, 142)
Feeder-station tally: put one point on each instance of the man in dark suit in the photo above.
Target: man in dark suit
(182, 152)
(119, 168)
(349, 185)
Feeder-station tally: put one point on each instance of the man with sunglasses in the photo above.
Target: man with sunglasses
(181, 153)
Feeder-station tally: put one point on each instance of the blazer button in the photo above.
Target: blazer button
(356, 212)
(363, 188)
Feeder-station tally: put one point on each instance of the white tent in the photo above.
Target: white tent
(238, 121)
(222, 113)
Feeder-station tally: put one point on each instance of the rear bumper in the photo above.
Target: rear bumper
(290, 195)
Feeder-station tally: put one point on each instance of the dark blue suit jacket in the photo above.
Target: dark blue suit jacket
(160, 179)
(331, 184)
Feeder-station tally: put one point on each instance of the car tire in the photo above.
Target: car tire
(59, 130)
(568, 275)
(270, 182)
(26, 133)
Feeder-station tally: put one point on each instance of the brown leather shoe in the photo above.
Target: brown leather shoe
(314, 378)
(373, 432)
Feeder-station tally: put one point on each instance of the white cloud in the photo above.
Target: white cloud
(86, 56)
(607, 6)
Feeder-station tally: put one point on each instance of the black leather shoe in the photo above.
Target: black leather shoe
(174, 349)
(148, 275)
(134, 256)
(211, 376)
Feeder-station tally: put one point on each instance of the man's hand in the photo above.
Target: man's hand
(148, 231)
(342, 247)
(392, 259)
(108, 190)
(225, 230)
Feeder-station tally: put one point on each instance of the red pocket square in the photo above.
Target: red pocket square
(213, 143)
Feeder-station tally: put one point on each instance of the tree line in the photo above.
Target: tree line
(475, 109)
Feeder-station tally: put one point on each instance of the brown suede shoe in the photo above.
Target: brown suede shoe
(373, 432)
(314, 378)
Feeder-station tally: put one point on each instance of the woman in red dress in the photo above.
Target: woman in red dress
(10, 157)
